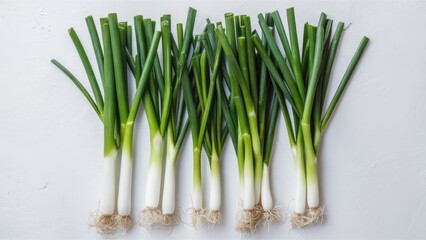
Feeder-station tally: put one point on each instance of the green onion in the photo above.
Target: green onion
(246, 97)
(119, 71)
(116, 38)
(176, 131)
(268, 115)
(211, 103)
(145, 36)
(105, 220)
(163, 101)
(125, 186)
(312, 74)
(256, 122)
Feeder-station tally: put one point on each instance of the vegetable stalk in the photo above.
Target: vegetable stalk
(125, 186)
(176, 132)
(105, 218)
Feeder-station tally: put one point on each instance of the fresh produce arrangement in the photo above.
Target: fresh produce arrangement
(227, 80)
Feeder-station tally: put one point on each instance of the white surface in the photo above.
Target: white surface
(372, 163)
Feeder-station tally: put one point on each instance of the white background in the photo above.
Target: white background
(372, 162)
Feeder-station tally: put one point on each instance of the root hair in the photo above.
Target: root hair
(214, 217)
(315, 215)
(104, 224)
(271, 216)
(198, 217)
(299, 220)
(150, 216)
(170, 220)
(247, 220)
(124, 222)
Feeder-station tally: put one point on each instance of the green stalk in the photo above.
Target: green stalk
(248, 100)
(262, 97)
(182, 135)
(251, 112)
(310, 154)
(221, 134)
(80, 87)
(242, 57)
(298, 109)
(311, 55)
(313, 80)
(270, 135)
(155, 137)
(344, 82)
(251, 61)
(219, 122)
(123, 105)
(318, 105)
(129, 38)
(211, 34)
(197, 77)
(140, 39)
(283, 36)
(191, 107)
(293, 52)
(330, 60)
(230, 34)
(156, 83)
(143, 80)
(203, 83)
(128, 137)
(96, 45)
(132, 63)
(237, 25)
(179, 27)
(244, 115)
(110, 94)
(189, 27)
(305, 53)
(122, 28)
(205, 116)
(297, 67)
(194, 124)
(88, 68)
(167, 67)
(282, 65)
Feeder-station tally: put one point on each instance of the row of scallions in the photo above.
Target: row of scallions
(302, 78)
(230, 81)
(113, 110)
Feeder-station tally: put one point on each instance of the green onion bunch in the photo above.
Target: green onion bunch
(165, 111)
(253, 110)
(114, 111)
(300, 80)
(203, 90)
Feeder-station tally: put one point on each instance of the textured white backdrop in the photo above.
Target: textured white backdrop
(372, 163)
